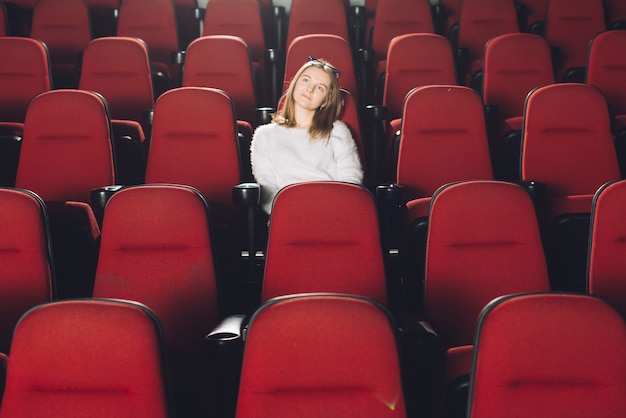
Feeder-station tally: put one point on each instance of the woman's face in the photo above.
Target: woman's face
(311, 89)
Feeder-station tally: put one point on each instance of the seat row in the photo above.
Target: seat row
(475, 23)
(565, 152)
(515, 64)
(157, 248)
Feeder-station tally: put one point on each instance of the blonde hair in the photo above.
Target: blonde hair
(325, 115)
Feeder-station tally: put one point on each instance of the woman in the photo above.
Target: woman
(305, 140)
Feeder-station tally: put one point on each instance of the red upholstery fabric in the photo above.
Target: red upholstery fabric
(26, 273)
(118, 68)
(323, 355)
(324, 237)
(607, 246)
(154, 21)
(415, 60)
(567, 145)
(64, 26)
(156, 249)
(480, 20)
(483, 242)
(24, 73)
(330, 47)
(397, 17)
(557, 355)
(307, 17)
(194, 142)
(66, 149)
(569, 26)
(101, 359)
(224, 62)
(515, 64)
(443, 139)
(606, 69)
(241, 18)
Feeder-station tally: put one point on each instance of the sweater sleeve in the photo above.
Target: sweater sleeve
(349, 168)
(262, 166)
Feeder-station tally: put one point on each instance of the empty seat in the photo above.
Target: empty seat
(154, 21)
(156, 249)
(336, 370)
(24, 73)
(224, 62)
(307, 17)
(562, 347)
(194, 143)
(436, 150)
(483, 242)
(337, 224)
(65, 153)
(413, 60)
(26, 270)
(605, 274)
(242, 18)
(395, 18)
(515, 63)
(567, 154)
(606, 69)
(569, 27)
(65, 27)
(101, 358)
(478, 21)
(118, 68)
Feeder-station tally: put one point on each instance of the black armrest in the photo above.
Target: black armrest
(390, 203)
(264, 115)
(364, 58)
(273, 73)
(99, 199)
(248, 197)
(199, 13)
(225, 348)
(423, 360)
(229, 331)
(279, 16)
(375, 150)
(358, 20)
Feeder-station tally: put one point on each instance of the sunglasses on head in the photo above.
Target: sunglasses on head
(325, 65)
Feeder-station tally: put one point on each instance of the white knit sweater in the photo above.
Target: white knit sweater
(281, 156)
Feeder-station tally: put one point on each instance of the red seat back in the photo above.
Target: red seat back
(24, 73)
(101, 358)
(224, 62)
(324, 237)
(569, 26)
(66, 149)
(156, 249)
(564, 347)
(335, 369)
(65, 27)
(26, 277)
(606, 247)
